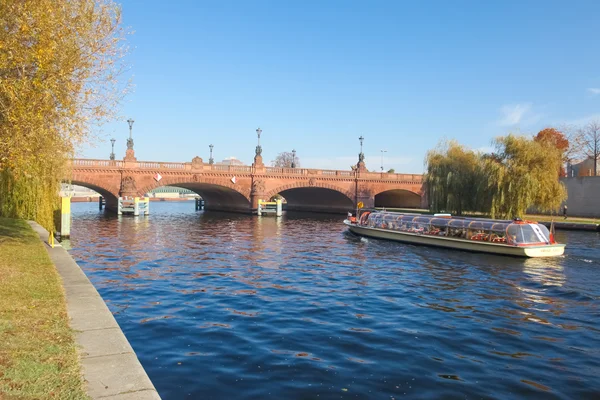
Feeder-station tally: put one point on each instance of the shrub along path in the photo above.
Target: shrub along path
(38, 357)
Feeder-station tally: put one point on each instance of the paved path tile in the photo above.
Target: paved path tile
(109, 365)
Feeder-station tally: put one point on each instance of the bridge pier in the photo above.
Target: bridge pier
(111, 204)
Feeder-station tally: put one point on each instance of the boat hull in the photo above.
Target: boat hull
(551, 250)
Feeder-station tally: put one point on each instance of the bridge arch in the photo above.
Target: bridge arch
(110, 194)
(218, 194)
(398, 198)
(314, 196)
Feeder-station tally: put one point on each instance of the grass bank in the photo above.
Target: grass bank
(38, 357)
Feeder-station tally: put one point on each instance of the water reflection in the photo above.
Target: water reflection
(232, 306)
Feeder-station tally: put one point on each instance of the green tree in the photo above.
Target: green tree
(453, 178)
(520, 174)
(524, 173)
(59, 66)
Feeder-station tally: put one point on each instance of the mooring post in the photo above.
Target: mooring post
(120, 206)
(136, 206)
(196, 203)
(65, 217)
(147, 201)
(100, 200)
(279, 208)
(259, 208)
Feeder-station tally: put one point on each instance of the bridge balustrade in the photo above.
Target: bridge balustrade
(295, 171)
(160, 165)
(172, 165)
(274, 170)
(96, 163)
(78, 162)
(240, 168)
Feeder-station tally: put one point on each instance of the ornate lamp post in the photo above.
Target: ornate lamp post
(258, 148)
(361, 156)
(360, 165)
(211, 160)
(130, 140)
(293, 158)
(382, 151)
(112, 153)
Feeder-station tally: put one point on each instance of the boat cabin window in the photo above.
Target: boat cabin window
(525, 234)
(501, 232)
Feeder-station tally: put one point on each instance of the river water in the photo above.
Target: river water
(229, 306)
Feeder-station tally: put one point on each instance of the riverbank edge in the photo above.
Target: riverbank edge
(110, 367)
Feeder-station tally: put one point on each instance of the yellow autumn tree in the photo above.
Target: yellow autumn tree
(524, 173)
(60, 64)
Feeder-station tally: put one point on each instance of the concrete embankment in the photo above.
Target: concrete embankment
(111, 368)
(573, 226)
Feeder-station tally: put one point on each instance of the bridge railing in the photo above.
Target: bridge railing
(188, 166)
(393, 177)
(85, 162)
(159, 165)
(231, 168)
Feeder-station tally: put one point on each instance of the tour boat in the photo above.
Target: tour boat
(514, 238)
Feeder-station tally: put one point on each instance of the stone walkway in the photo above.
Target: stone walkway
(110, 367)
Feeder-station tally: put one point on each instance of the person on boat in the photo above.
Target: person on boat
(565, 211)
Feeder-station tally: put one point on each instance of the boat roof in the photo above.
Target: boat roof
(446, 216)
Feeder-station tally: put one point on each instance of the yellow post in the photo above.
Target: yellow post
(136, 206)
(65, 217)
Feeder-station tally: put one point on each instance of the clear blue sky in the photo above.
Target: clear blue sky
(315, 75)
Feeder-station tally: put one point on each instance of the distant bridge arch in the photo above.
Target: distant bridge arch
(109, 192)
(398, 198)
(217, 193)
(314, 196)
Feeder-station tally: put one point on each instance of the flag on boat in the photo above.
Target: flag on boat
(552, 233)
(157, 177)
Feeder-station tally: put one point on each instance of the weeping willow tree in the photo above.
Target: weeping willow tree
(524, 173)
(453, 178)
(59, 66)
(521, 173)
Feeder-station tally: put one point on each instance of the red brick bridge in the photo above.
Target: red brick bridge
(238, 188)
